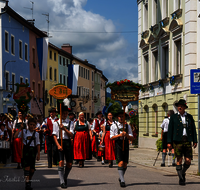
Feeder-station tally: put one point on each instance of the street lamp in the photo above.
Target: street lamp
(5, 67)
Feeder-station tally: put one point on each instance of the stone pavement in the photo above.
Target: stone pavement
(146, 157)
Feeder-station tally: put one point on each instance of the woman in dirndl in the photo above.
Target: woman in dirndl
(109, 144)
(17, 142)
(82, 145)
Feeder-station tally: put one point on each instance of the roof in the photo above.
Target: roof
(24, 22)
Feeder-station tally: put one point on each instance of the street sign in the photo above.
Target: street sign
(195, 81)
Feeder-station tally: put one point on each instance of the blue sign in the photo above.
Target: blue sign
(195, 81)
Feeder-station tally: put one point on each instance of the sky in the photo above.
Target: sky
(102, 31)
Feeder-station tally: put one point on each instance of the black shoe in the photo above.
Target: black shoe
(119, 180)
(122, 184)
(110, 165)
(181, 182)
(162, 165)
(49, 166)
(173, 164)
(19, 167)
(28, 186)
(63, 186)
(98, 159)
(66, 182)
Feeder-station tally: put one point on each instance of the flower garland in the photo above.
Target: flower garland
(122, 82)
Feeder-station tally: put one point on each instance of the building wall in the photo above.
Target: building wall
(97, 88)
(63, 69)
(35, 82)
(50, 83)
(102, 94)
(154, 103)
(20, 67)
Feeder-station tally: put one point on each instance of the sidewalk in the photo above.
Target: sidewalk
(146, 157)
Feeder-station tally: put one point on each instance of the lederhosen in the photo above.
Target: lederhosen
(67, 147)
(119, 154)
(29, 152)
(17, 144)
(183, 148)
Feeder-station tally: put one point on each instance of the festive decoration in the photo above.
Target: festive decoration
(133, 113)
(151, 88)
(22, 96)
(172, 80)
(160, 84)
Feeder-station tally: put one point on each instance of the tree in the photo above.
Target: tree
(115, 106)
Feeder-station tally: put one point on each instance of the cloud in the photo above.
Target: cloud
(70, 23)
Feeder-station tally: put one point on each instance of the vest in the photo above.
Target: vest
(97, 125)
(50, 126)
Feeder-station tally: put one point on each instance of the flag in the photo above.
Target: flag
(73, 71)
(42, 51)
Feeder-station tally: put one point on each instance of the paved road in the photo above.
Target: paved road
(94, 176)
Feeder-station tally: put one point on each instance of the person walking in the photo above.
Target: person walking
(181, 133)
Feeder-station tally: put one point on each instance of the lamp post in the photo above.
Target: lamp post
(5, 67)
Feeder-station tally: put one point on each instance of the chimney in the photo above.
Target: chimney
(67, 48)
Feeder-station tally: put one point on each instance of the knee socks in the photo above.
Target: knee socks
(61, 174)
(163, 157)
(185, 167)
(121, 173)
(67, 171)
(125, 170)
(179, 171)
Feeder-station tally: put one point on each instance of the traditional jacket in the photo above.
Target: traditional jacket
(175, 129)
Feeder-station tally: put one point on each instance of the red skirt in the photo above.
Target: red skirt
(109, 147)
(45, 146)
(17, 150)
(81, 145)
(101, 153)
(93, 145)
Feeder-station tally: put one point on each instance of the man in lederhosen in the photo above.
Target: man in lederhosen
(67, 149)
(181, 132)
(117, 134)
(96, 130)
(49, 138)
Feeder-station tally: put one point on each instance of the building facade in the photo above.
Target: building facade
(167, 50)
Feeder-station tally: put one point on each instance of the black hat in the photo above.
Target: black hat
(52, 109)
(99, 112)
(181, 102)
(72, 113)
(121, 112)
(65, 108)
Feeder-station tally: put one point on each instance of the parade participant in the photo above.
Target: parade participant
(51, 146)
(109, 144)
(101, 142)
(182, 132)
(31, 150)
(17, 143)
(4, 136)
(117, 134)
(164, 127)
(82, 140)
(67, 149)
(96, 129)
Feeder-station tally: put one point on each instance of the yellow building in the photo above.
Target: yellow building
(52, 77)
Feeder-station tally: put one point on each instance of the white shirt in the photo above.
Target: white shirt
(27, 136)
(2, 133)
(52, 120)
(183, 122)
(15, 122)
(165, 125)
(56, 129)
(38, 126)
(114, 130)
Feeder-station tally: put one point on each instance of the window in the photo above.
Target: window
(12, 44)
(7, 80)
(145, 16)
(84, 73)
(55, 74)
(178, 57)
(67, 62)
(26, 81)
(78, 90)
(92, 76)
(88, 74)
(38, 90)
(26, 52)
(33, 51)
(60, 60)
(54, 56)
(60, 78)
(64, 80)
(147, 119)
(6, 41)
(33, 83)
(21, 80)
(146, 69)
(63, 61)
(50, 54)
(92, 95)
(154, 12)
(13, 82)
(20, 50)
(79, 71)
(177, 5)
(155, 65)
(165, 61)
(164, 9)
(50, 73)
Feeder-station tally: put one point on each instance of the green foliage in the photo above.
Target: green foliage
(159, 145)
(115, 106)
